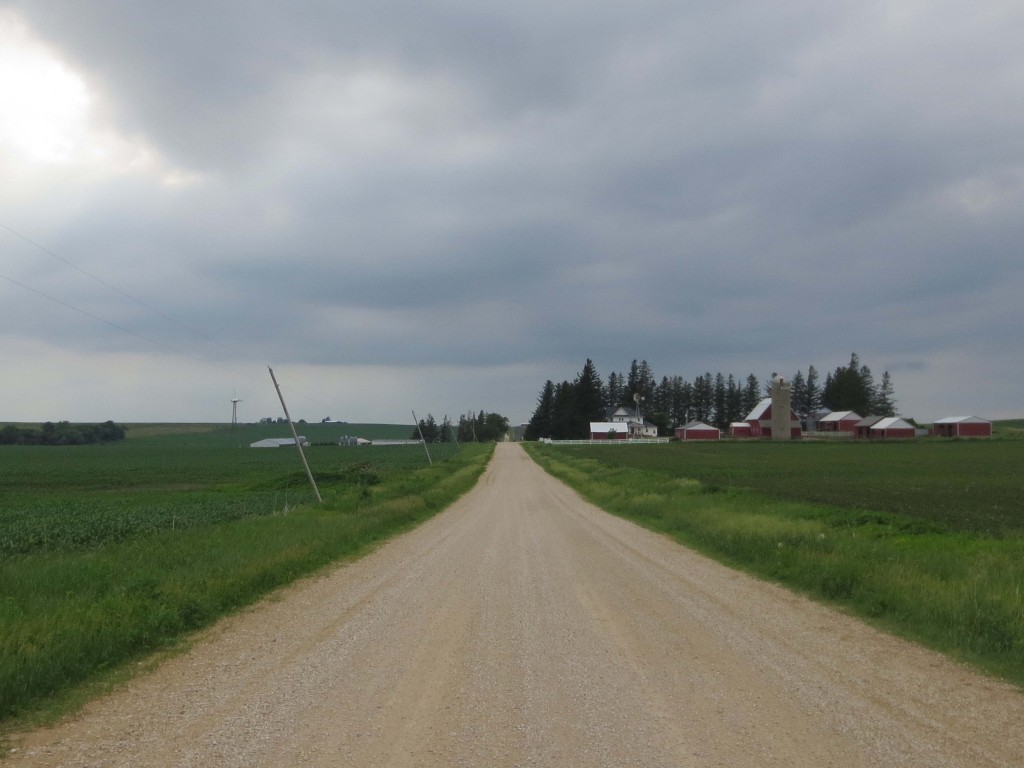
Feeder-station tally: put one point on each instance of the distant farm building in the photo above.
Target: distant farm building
(278, 442)
(839, 421)
(609, 430)
(698, 430)
(739, 429)
(892, 427)
(638, 426)
(863, 428)
(962, 426)
(760, 420)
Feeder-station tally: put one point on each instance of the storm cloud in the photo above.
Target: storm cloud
(439, 205)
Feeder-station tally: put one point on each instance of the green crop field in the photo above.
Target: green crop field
(969, 485)
(111, 551)
(924, 538)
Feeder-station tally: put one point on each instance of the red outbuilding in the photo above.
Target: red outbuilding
(962, 426)
(609, 430)
(863, 428)
(698, 430)
(739, 429)
(839, 421)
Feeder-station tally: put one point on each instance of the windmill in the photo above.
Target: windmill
(234, 412)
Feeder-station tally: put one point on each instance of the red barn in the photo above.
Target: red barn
(962, 426)
(760, 420)
(698, 430)
(893, 427)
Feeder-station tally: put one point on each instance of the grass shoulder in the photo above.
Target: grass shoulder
(951, 587)
(80, 613)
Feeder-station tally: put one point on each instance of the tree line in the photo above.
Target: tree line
(481, 427)
(63, 433)
(564, 410)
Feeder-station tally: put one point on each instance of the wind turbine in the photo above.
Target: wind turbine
(234, 412)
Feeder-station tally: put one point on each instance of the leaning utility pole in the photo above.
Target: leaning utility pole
(309, 473)
(418, 429)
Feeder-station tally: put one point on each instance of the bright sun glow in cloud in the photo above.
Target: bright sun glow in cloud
(48, 117)
(44, 112)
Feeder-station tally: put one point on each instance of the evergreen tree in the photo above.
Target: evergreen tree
(703, 397)
(564, 424)
(813, 397)
(613, 391)
(661, 404)
(846, 389)
(885, 399)
(734, 402)
(799, 392)
(444, 431)
(540, 423)
(640, 382)
(719, 399)
(751, 394)
(588, 402)
(427, 429)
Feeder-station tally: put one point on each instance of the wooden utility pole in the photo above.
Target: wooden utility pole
(302, 455)
(417, 423)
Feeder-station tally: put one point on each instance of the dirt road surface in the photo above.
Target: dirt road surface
(524, 627)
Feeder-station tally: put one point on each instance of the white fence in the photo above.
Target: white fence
(636, 441)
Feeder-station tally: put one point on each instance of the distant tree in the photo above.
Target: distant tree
(589, 403)
(751, 394)
(812, 401)
(847, 390)
(721, 414)
(428, 429)
(703, 397)
(734, 402)
(63, 433)
(885, 398)
(540, 424)
(799, 394)
(564, 423)
(444, 431)
(639, 382)
(614, 390)
(491, 427)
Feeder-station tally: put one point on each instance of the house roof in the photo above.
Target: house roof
(277, 442)
(608, 426)
(701, 426)
(869, 421)
(893, 422)
(963, 420)
(621, 410)
(840, 416)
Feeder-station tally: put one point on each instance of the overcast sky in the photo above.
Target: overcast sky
(438, 205)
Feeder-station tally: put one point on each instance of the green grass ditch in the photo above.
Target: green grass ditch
(74, 608)
(950, 587)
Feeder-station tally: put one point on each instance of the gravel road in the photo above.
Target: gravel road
(524, 627)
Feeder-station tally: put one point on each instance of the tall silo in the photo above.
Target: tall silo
(782, 405)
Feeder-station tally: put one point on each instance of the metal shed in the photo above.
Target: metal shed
(962, 426)
(698, 430)
(893, 427)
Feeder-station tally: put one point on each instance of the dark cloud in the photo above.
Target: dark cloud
(717, 186)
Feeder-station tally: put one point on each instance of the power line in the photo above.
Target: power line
(138, 301)
(113, 288)
(111, 323)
